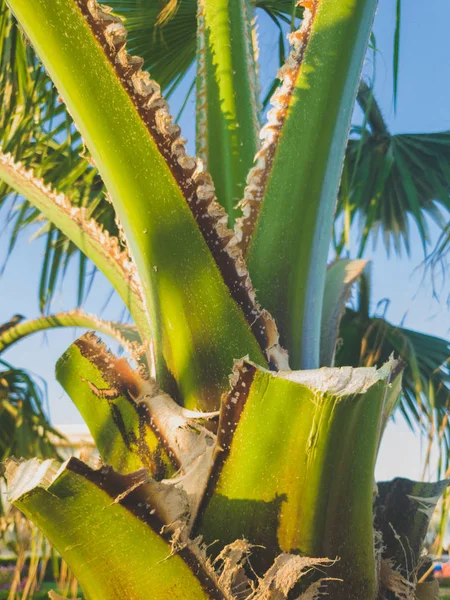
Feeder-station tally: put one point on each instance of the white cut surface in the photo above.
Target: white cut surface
(339, 381)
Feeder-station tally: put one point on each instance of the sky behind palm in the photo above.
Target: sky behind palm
(423, 106)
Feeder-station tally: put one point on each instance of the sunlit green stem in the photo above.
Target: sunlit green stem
(288, 255)
(102, 387)
(227, 96)
(107, 528)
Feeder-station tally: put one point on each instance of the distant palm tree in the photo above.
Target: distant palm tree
(25, 429)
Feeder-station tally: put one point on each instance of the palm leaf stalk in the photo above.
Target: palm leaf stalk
(425, 399)
(227, 121)
(227, 443)
(126, 335)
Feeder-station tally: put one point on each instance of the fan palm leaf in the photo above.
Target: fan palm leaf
(25, 428)
(390, 179)
(368, 340)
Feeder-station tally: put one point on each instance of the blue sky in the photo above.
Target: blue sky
(423, 105)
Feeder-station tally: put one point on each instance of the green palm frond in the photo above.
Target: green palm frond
(389, 179)
(25, 430)
(368, 340)
(396, 57)
(436, 261)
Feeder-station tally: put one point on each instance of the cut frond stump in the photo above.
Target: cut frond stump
(129, 416)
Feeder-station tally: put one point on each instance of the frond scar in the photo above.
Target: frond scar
(259, 174)
(195, 183)
(108, 244)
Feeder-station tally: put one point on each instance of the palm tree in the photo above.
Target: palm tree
(380, 174)
(274, 464)
(24, 426)
(388, 178)
(368, 339)
(380, 171)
